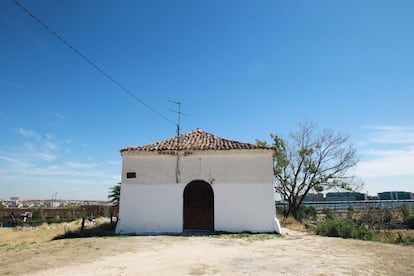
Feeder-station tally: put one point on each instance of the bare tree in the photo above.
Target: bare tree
(380, 219)
(311, 161)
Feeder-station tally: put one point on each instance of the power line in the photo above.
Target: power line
(99, 69)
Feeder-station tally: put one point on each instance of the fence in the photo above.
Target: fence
(356, 205)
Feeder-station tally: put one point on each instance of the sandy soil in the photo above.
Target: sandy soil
(294, 254)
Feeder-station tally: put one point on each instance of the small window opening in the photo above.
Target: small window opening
(131, 175)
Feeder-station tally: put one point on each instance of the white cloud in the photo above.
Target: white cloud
(29, 133)
(388, 151)
(24, 169)
(46, 156)
(392, 134)
(44, 160)
(388, 163)
(14, 161)
(77, 165)
(114, 162)
(51, 146)
(56, 114)
(54, 119)
(48, 136)
(36, 151)
(38, 146)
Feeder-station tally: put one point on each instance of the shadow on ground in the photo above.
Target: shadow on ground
(101, 230)
(108, 230)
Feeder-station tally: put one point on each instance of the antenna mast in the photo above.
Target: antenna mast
(179, 117)
(177, 149)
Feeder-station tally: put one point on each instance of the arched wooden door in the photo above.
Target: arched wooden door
(198, 206)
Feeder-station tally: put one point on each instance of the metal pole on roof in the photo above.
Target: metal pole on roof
(177, 149)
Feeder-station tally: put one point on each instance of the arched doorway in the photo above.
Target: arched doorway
(198, 206)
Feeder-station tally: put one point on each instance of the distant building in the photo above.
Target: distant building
(313, 197)
(54, 204)
(345, 196)
(395, 195)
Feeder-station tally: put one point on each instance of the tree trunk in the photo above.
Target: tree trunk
(295, 213)
(83, 224)
(294, 210)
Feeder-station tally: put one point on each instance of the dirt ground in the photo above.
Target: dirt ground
(295, 253)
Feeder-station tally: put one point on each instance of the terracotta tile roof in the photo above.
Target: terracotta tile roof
(196, 139)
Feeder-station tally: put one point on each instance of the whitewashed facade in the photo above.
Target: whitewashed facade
(211, 184)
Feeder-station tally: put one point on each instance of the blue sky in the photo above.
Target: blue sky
(242, 70)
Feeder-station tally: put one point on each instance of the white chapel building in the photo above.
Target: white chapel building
(197, 181)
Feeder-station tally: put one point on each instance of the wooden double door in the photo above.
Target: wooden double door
(198, 206)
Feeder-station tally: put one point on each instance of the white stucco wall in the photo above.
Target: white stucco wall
(244, 207)
(150, 208)
(241, 166)
(242, 182)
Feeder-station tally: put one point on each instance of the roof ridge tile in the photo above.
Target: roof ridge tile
(197, 139)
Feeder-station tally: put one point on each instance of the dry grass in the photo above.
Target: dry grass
(401, 236)
(11, 238)
(292, 224)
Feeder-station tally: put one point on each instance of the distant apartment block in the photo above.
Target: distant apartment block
(395, 195)
(314, 197)
(345, 196)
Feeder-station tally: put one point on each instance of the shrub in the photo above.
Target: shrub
(292, 223)
(379, 219)
(344, 228)
(350, 213)
(307, 212)
(328, 213)
(304, 212)
(409, 221)
(281, 210)
(405, 210)
(406, 240)
(37, 213)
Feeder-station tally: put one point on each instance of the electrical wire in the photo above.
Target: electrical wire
(90, 62)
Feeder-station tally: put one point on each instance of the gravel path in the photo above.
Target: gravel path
(294, 254)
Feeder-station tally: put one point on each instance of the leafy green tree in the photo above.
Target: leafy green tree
(311, 160)
(261, 143)
(115, 195)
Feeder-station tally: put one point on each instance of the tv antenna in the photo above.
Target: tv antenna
(177, 170)
(179, 115)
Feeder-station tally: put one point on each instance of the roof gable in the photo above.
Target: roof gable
(196, 139)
